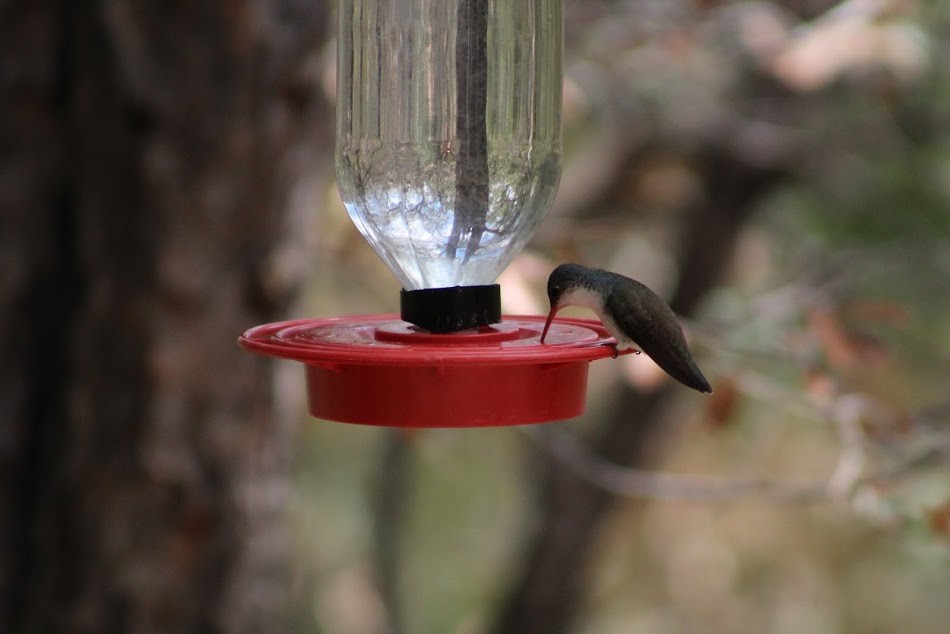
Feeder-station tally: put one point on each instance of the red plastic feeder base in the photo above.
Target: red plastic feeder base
(380, 370)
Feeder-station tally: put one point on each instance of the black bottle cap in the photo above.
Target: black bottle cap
(445, 310)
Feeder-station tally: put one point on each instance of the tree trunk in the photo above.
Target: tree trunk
(144, 156)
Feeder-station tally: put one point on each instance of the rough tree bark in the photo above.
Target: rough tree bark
(144, 156)
(548, 592)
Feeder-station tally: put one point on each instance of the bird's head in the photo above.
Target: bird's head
(564, 279)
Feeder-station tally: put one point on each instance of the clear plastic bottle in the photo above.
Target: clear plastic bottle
(448, 148)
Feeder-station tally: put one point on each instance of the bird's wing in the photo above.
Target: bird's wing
(651, 324)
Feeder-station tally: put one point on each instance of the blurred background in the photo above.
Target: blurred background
(779, 171)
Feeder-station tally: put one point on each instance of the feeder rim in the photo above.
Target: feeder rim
(569, 340)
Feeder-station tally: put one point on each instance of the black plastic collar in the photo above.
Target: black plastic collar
(445, 310)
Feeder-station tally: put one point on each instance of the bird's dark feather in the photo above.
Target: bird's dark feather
(651, 324)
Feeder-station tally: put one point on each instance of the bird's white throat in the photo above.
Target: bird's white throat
(586, 298)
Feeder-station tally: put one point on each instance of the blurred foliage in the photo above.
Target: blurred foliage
(837, 299)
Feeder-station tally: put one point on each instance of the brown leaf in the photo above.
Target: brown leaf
(723, 403)
(878, 311)
(939, 519)
(843, 347)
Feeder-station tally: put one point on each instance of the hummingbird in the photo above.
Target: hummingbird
(631, 312)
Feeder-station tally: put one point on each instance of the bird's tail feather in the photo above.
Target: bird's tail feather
(680, 366)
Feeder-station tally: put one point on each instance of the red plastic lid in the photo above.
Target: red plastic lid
(380, 370)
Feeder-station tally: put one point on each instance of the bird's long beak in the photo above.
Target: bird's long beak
(547, 324)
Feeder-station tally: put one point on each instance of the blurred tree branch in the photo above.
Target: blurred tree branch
(577, 457)
(392, 501)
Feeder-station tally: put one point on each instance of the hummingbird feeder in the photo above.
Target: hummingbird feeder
(448, 156)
